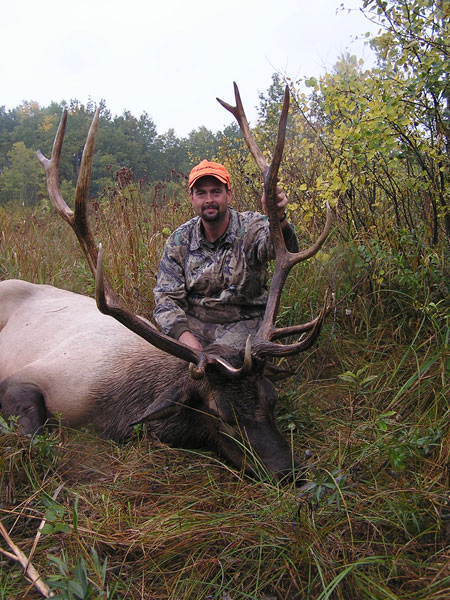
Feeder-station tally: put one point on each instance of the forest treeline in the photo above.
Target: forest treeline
(123, 141)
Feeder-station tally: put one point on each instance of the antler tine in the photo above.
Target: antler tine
(77, 219)
(81, 224)
(263, 347)
(52, 172)
(271, 181)
(284, 262)
(281, 332)
(272, 176)
(239, 114)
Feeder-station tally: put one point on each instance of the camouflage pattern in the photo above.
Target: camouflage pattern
(209, 287)
(233, 334)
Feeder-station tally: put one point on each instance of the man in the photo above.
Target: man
(212, 278)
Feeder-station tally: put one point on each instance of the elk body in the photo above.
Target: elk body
(60, 357)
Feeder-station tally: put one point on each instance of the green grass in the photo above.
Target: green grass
(368, 409)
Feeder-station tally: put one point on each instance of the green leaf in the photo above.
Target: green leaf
(311, 82)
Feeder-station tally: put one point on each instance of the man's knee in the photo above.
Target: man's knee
(236, 334)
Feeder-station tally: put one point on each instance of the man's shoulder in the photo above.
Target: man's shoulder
(248, 221)
(183, 234)
(252, 215)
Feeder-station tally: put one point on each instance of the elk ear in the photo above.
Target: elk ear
(163, 407)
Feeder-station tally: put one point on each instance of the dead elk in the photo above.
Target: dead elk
(61, 356)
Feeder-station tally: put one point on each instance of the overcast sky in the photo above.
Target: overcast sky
(170, 58)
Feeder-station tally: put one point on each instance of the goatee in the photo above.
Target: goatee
(211, 217)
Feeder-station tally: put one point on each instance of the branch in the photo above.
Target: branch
(29, 570)
(20, 557)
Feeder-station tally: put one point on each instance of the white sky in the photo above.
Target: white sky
(170, 58)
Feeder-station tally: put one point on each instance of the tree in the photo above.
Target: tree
(414, 54)
(172, 156)
(270, 105)
(23, 180)
(131, 141)
(378, 139)
(202, 143)
(8, 122)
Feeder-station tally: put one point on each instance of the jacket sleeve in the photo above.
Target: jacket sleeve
(264, 249)
(170, 292)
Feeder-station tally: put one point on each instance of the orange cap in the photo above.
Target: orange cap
(212, 169)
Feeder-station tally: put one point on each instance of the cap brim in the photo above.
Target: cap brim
(215, 175)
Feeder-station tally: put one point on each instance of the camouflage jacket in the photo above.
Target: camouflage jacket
(216, 282)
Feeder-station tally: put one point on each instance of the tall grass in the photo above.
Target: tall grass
(367, 408)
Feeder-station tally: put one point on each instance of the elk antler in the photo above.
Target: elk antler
(77, 218)
(263, 343)
(107, 300)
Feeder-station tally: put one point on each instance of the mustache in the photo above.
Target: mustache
(210, 205)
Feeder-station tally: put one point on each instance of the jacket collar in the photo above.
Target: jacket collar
(198, 237)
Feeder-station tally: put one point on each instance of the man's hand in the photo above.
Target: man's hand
(282, 201)
(187, 338)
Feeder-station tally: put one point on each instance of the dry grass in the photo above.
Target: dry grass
(368, 408)
(178, 524)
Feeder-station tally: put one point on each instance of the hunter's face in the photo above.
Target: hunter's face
(210, 199)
